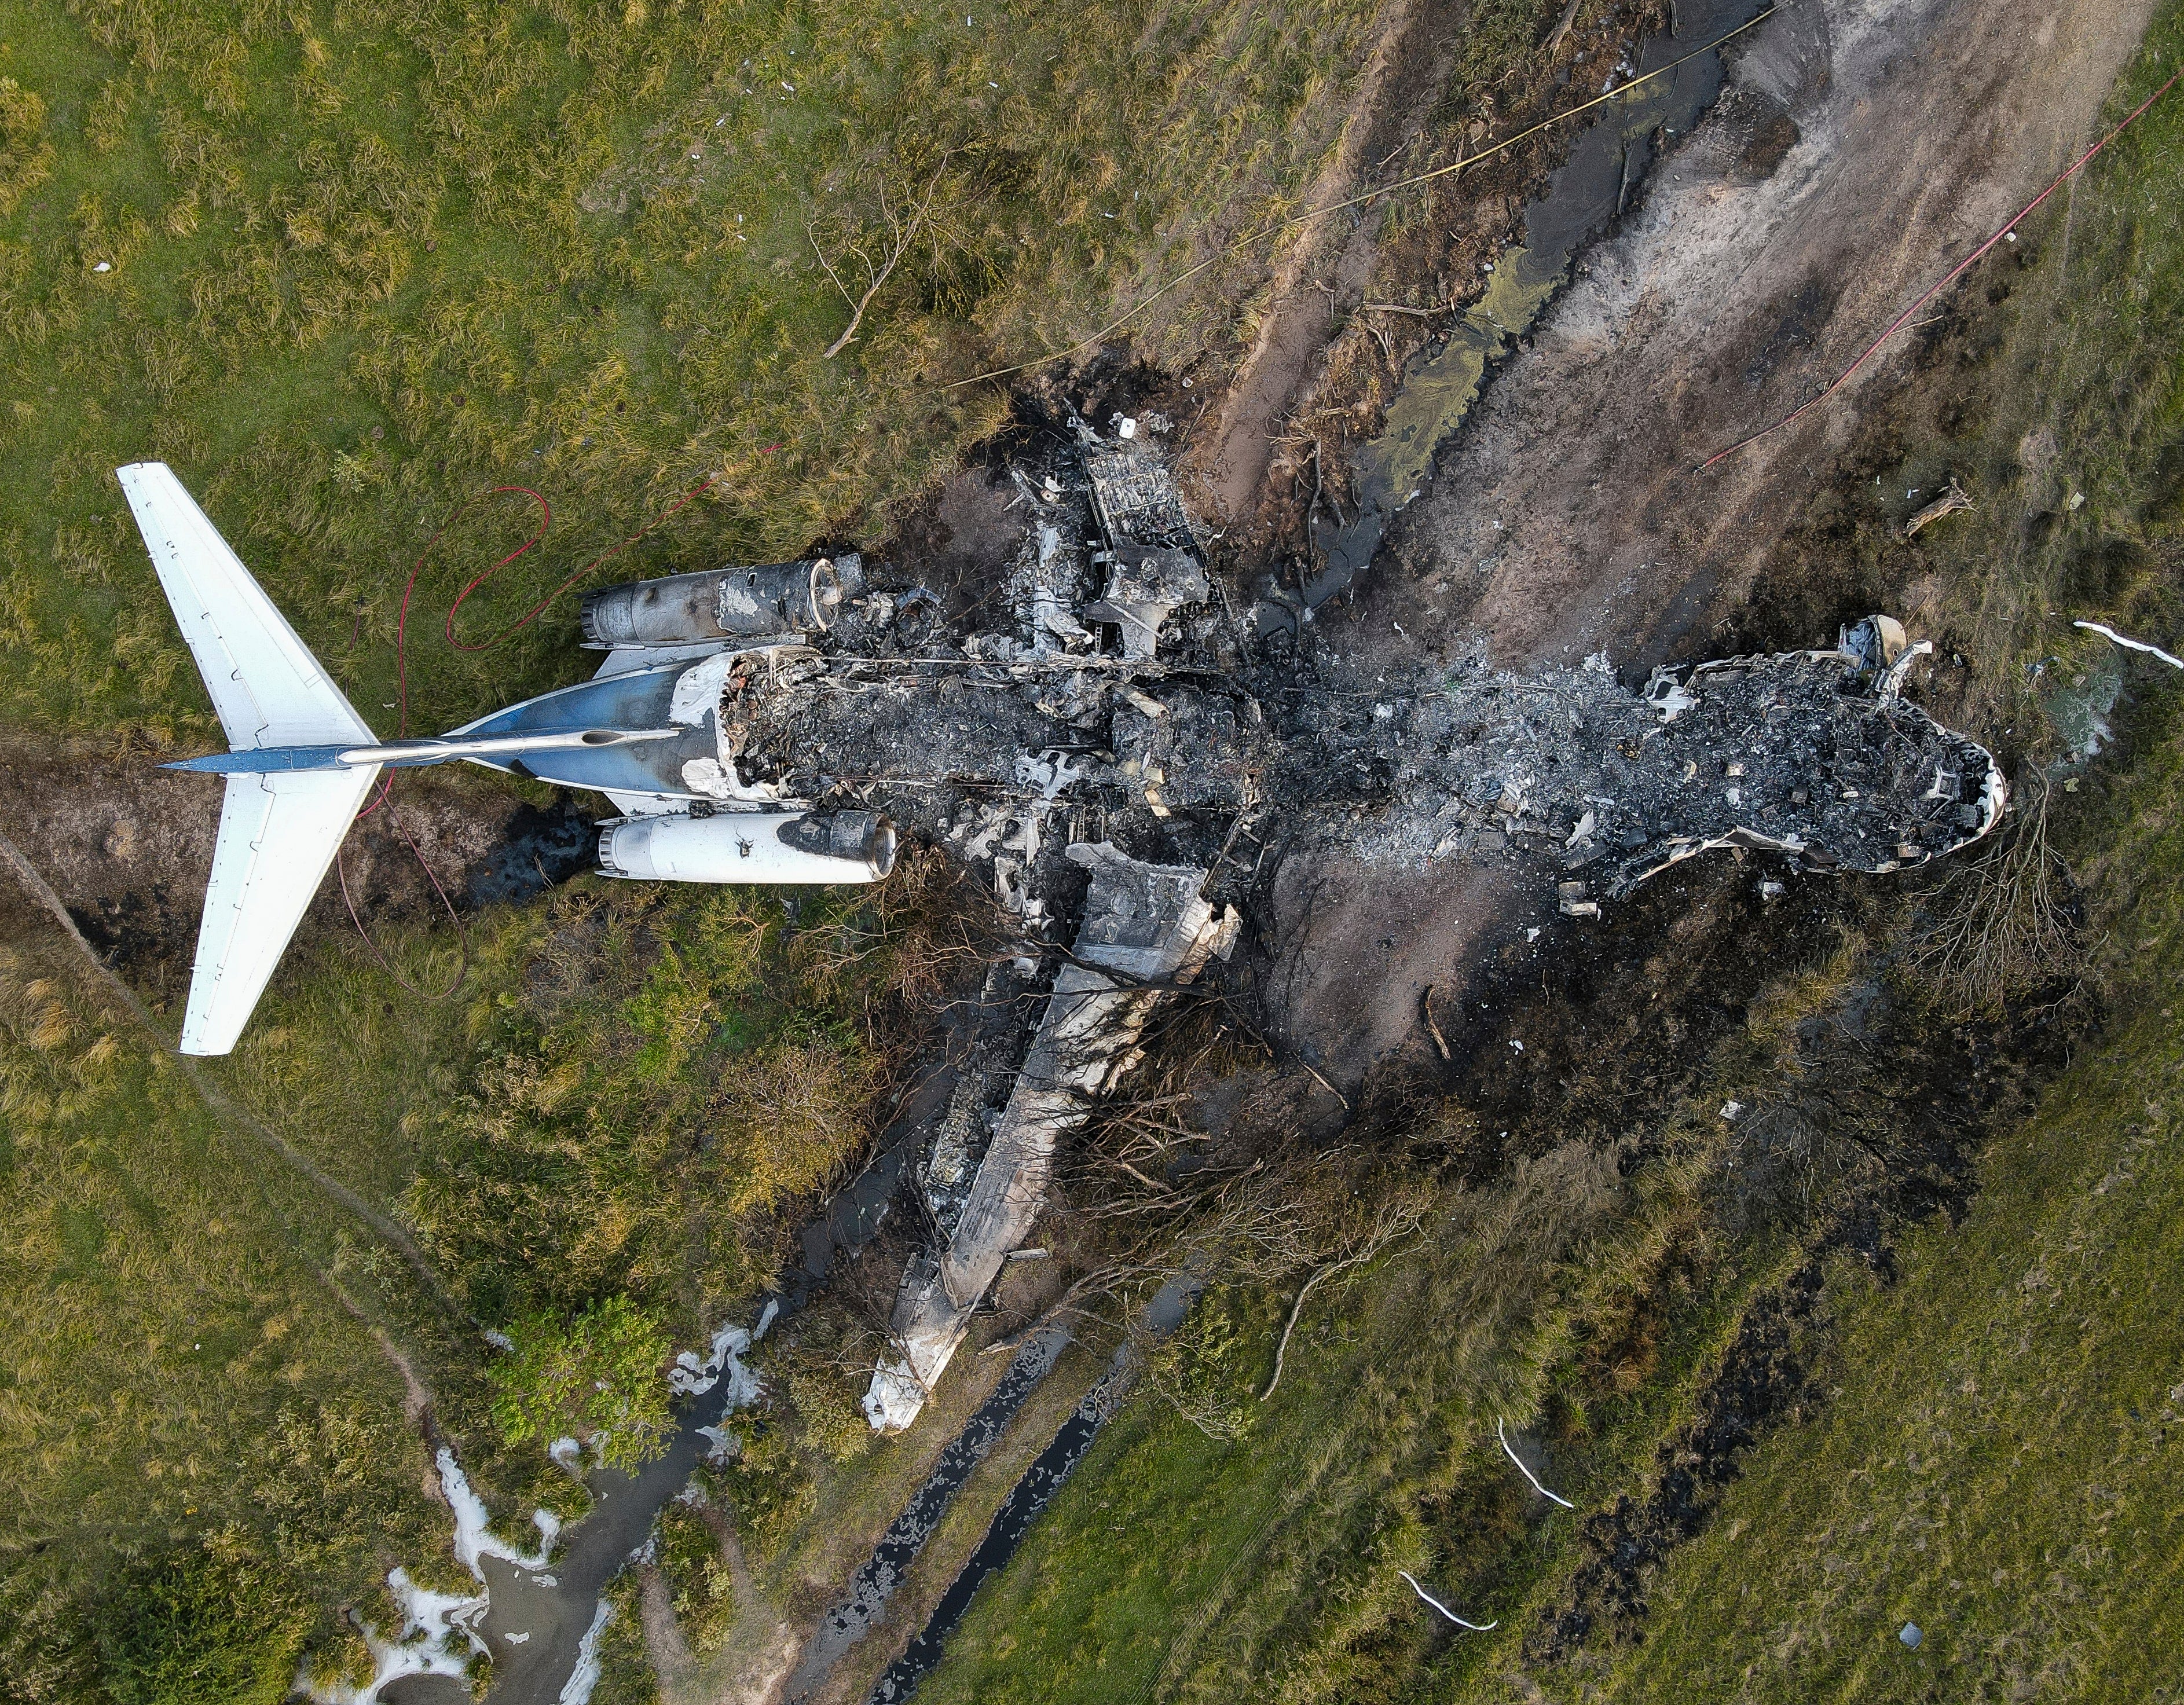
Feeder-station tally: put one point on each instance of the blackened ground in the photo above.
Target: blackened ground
(1932, 1097)
(1767, 1378)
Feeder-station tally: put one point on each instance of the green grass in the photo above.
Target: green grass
(1998, 1460)
(366, 259)
(187, 1406)
(1571, 1297)
(611, 1119)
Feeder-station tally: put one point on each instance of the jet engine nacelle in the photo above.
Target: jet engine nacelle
(751, 846)
(772, 599)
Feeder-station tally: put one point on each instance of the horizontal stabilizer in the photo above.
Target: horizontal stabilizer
(277, 835)
(280, 829)
(265, 685)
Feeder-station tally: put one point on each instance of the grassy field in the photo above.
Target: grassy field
(189, 1410)
(345, 265)
(1998, 1460)
(1995, 1462)
(1179, 1565)
(1988, 1450)
(198, 1344)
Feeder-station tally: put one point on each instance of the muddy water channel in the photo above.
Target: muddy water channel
(1606, 163)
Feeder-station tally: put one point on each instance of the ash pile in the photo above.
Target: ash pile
(1816, 756)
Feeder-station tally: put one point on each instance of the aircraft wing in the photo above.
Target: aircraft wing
(267, 688)
(277, 835)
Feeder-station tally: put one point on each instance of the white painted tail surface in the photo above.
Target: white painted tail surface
(278, 833)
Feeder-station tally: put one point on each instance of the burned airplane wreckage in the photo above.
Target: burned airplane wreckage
(1096, 730)
(1100, 727)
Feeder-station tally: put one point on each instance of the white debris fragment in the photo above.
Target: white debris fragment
(1474, 1627)
(894, 1399)
(689, 1376)
(578, 1689)
(1731, 1111)
(1671, 700)
(1048, 771)
(1509, 1450)
(2109, 633)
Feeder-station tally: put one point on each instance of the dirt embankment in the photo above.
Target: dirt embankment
(128, 847)
(1859, 148)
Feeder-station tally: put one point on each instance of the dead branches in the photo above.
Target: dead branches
(903, 224)
(1950, 502)
(1395, 1218)
(2003, 924)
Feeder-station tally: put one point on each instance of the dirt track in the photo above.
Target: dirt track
(128, 846)
(1566, 517)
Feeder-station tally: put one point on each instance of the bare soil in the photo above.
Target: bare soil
(128, 847)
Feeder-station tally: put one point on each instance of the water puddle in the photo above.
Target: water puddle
(2079, 709)
(537, 1622)
(1440, 384)
(889, 1564)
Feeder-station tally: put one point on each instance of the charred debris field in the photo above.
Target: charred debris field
(1734, 1262)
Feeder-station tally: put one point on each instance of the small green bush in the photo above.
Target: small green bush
(206, 1626)
(596, 1376)
(697, 1575)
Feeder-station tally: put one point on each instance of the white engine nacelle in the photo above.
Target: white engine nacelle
(752, 847)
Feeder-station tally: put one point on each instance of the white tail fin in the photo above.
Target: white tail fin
(278, 832)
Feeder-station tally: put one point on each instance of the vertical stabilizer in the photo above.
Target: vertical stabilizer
(278, 832)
